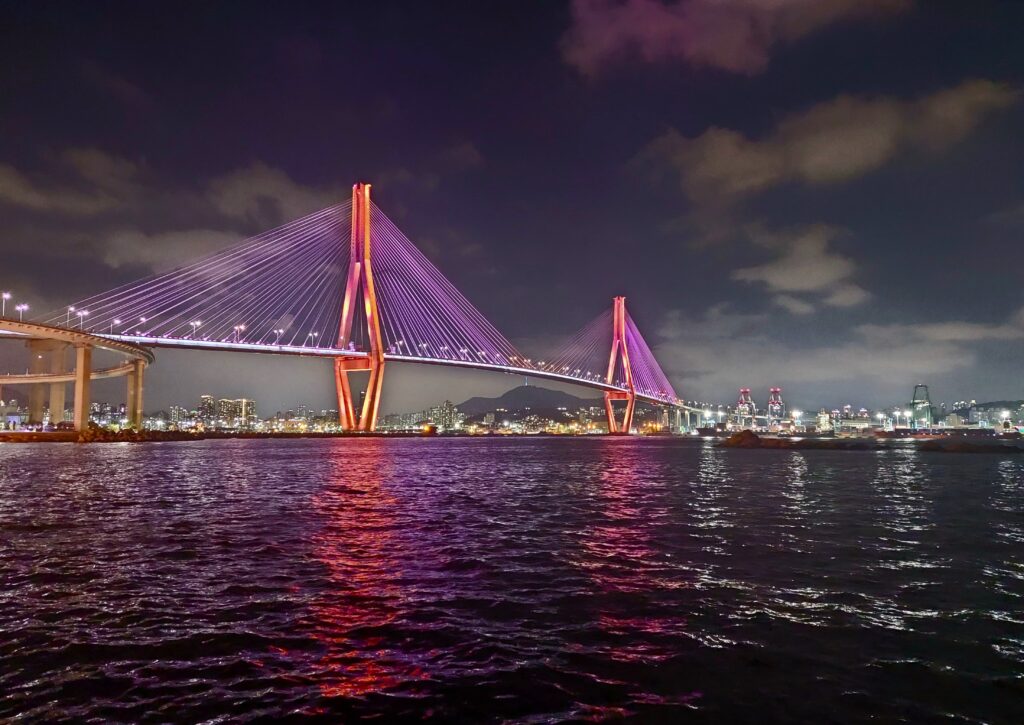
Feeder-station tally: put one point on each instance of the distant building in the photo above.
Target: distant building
(446, 416)
(178, 416)
(207, 409)
(246, 413)
(227, 413)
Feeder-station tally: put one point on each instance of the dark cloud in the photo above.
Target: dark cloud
(732, 35)
(805, 265)
(830, 142)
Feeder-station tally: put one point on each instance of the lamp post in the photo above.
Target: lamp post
(312, 336)
(278, 333)
(195, 327)
(4, 296)
(910, 421)
(82, 314)
(21, 311)
(238, 329)
(113, 322)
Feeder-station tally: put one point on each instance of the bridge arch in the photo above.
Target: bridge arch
(48, 346)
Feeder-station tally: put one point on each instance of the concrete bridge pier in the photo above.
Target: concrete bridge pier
(83, 372)
(36, 391)
(133, 397)
(58, 365)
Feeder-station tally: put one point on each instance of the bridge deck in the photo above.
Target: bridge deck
(332, 352)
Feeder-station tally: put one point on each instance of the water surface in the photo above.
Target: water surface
(531, 580)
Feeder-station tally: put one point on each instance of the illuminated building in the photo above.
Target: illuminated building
(207, 409)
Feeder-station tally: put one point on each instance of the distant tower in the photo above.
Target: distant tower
(921, 405)
(745, 409)
(776, 408)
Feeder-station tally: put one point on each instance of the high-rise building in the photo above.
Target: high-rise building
(446, 416)
(178, 416)
(245, 410)
(207, 409)
(227, 413)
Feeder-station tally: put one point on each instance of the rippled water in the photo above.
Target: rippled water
(509, 579)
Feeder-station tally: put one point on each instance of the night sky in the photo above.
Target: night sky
(825, 195)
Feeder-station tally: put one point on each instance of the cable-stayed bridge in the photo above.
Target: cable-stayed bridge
(347, 284)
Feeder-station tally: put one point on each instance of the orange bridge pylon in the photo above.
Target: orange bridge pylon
(360, 279)
(619, 347)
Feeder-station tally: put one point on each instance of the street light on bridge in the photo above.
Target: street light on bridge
(82, 314)
(4, 296)
(21, 311)
(195, 326)
(113, 322)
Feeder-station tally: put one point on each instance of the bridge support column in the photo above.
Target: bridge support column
(58, 365)
(360, 283)
(36, 391)
(133, 397)
(619, 348)
(83, 374)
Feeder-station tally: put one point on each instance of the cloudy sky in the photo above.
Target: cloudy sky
(821, 194)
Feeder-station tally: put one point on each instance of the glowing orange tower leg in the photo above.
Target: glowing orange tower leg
(360, 279)
(619, 347)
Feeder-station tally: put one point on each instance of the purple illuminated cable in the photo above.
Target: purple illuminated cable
(219, 304)
(586, 351)
(461, 324)
(280, 278)
(647, 372)
(422, 313)
(166, 292)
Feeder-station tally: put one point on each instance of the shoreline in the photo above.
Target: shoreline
(748, 440)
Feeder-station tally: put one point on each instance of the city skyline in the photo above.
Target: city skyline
(763, 256)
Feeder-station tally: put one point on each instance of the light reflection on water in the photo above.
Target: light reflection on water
(519, 579)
